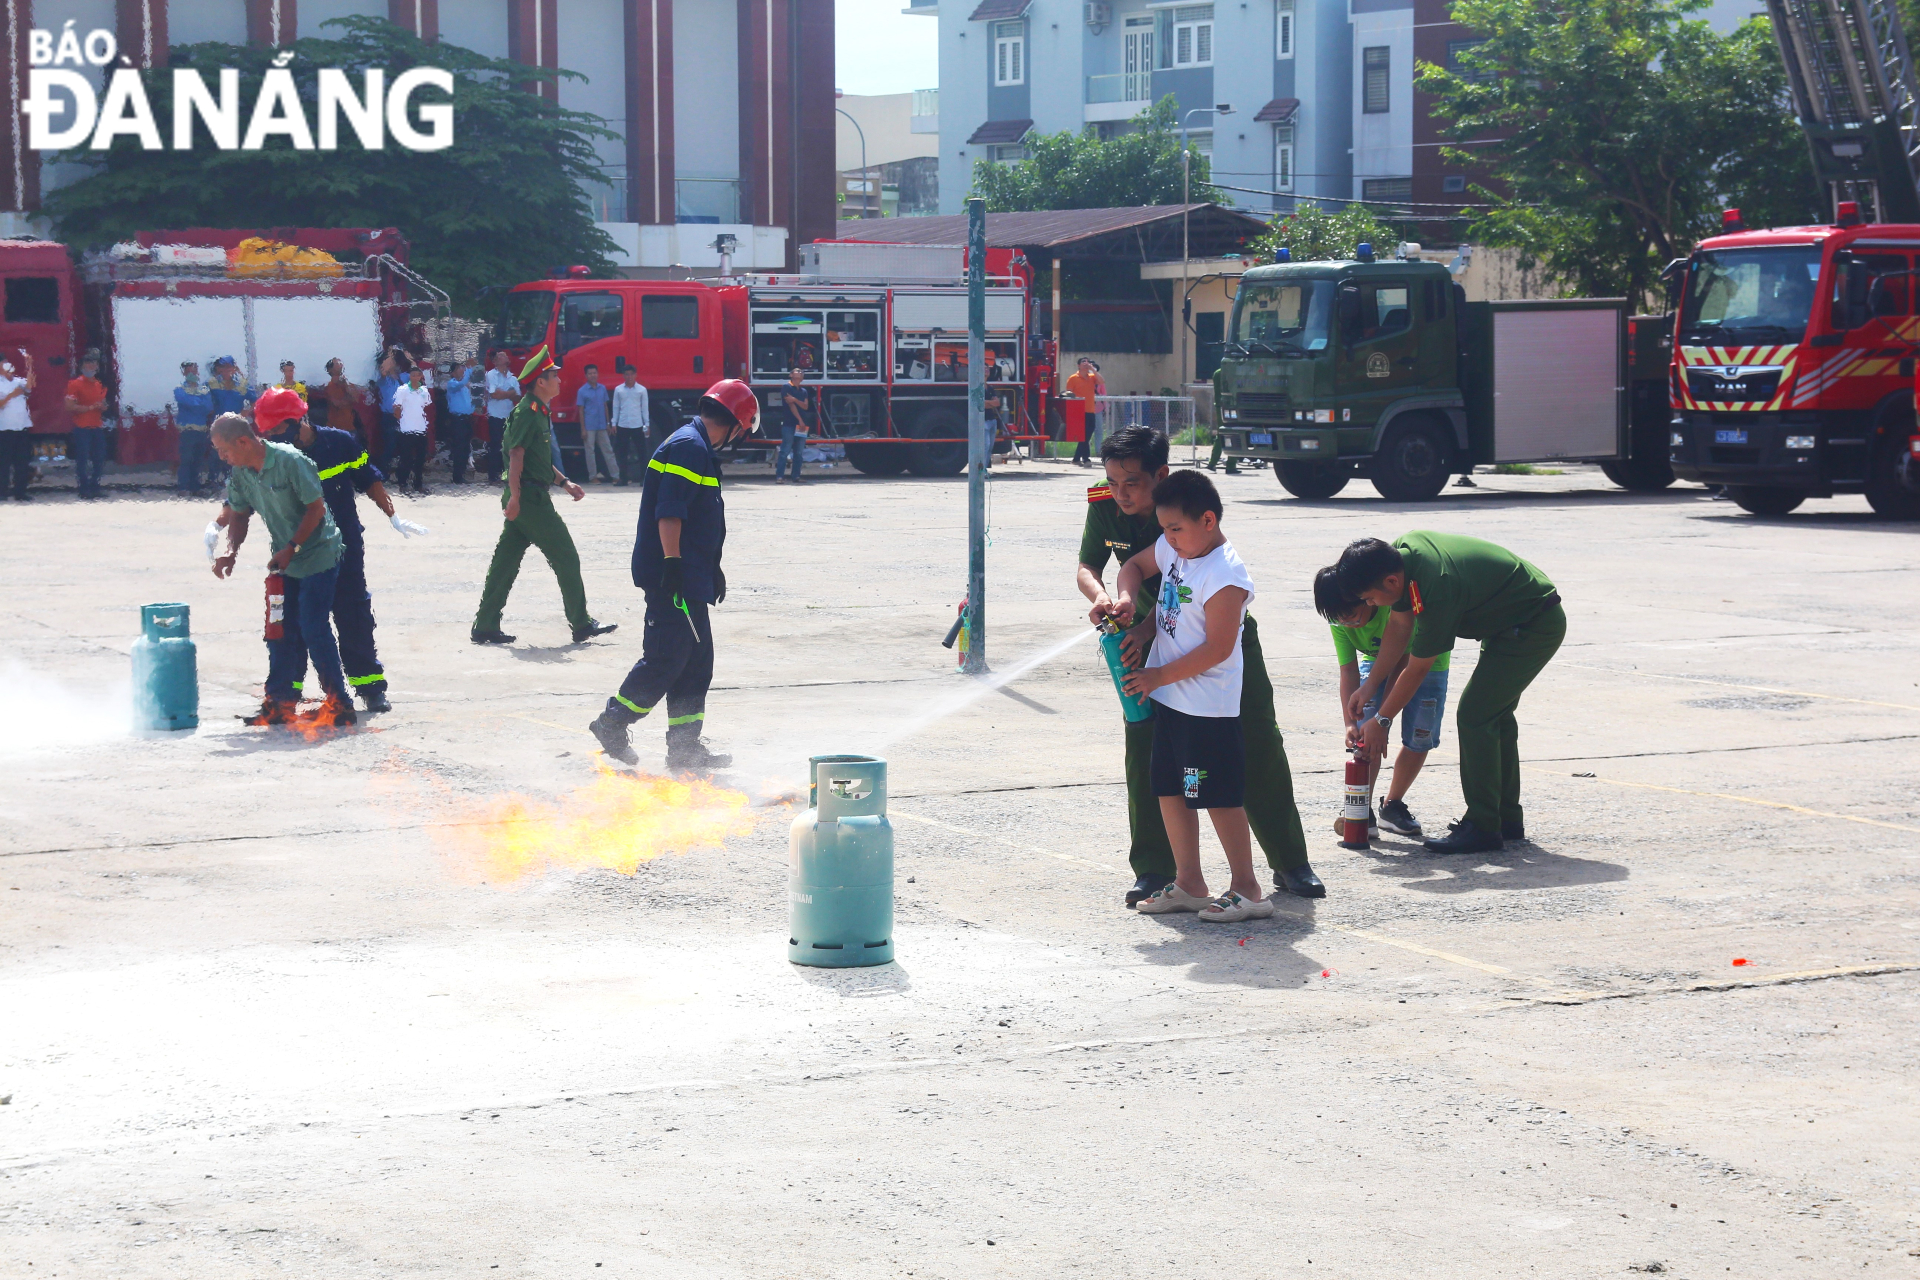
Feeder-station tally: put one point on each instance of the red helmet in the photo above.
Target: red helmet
(275, 407)
(737, 398)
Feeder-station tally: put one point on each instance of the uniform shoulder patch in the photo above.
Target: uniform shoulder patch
(1099, 493)
(1413, 589)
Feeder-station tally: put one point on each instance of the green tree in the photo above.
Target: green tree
(1313, 233)
(501, 205)
(1616, 131)
(1069, 170)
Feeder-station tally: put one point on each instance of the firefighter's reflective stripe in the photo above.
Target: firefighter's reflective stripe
(673, 720)
(331, 472)
(632, 706)
(376, 678)
(672, 469)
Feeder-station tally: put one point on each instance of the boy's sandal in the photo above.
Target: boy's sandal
(1230, 908)
(1171, 898)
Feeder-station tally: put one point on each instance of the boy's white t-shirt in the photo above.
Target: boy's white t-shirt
(1180, 625)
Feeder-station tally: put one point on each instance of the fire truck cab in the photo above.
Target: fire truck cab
(1793, 364)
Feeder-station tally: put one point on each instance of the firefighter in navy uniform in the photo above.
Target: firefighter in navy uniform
(676, 562)
(341, 460)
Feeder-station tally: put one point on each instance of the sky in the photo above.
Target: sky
(878, 49)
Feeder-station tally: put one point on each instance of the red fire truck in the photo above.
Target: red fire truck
(1793, 372)
(879, 330)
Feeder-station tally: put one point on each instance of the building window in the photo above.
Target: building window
(1283, 28)
(1283, 157)
(1192, 41)
(1009, 53)
(1386, 190)
(1457, 47)
(1006, 153)
(1453, 184)
(1376, 63)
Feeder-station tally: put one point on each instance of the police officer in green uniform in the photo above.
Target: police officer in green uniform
(527, 448)
(1120, 524)
(1441, 586)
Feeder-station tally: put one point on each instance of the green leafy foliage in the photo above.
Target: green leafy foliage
(1314, 233)
(1070, 170)
(503, 204)
(1619, 129)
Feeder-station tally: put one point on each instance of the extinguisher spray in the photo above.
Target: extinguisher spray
(276, 606)
(1354, 814)
(1131, 707)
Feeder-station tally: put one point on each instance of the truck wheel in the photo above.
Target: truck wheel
(1765, 500)
(937, 459)
(1640, 475)
(1412, 463)
(878, 459)
(1312, 480)
(1887, 493)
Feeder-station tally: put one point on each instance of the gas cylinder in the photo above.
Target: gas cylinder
(840, 867)
(276, 606)
(1131, 707)
(166, 677)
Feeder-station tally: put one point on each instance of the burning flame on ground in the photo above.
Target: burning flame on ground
(616, 822)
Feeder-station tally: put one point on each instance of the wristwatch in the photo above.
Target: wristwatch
(297, 546)
(1385, 722)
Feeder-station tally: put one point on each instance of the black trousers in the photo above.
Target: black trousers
(16, 460)
(633, 447)
(676, 663)
(412, 450)
(353, 622)
(456, 432)
(491, 460)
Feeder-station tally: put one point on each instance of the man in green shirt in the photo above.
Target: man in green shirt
(1121, 523)
(280, 483)
(1440, 587)
(531, 520)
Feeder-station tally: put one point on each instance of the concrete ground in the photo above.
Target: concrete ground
(265, 1013)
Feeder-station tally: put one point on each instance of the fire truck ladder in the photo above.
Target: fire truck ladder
(423, 305)
(1854, 90)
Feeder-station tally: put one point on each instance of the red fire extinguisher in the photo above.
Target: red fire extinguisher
(276, 606)
(1354, 814)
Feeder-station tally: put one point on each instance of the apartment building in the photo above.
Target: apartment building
(1321, 90)
(722, 109)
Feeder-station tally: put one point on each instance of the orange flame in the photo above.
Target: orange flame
(617, 822)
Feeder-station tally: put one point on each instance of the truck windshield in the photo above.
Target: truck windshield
(1752, 293)
(1282, 319)
(524, 317)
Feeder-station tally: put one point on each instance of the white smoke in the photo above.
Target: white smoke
(39, 713)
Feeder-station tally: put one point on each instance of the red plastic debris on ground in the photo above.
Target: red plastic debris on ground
(1738, 961)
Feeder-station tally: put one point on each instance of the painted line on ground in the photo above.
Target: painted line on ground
(1754, 688)
(1722, 795)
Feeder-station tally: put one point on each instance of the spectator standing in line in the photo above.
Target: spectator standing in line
(341, 395)
(457, 426)
(16, 424)
(410, 412)
(192, 414)
(393, 376)
(798, 402)
(87, 437)
(229, 391)
(595, 426)
(1086, 384)
(289, 380)
(503, 392)
(632, 425)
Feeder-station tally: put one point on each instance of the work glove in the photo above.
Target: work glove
(719, 585)
(212, 537)
(408, 528)
(673, 577)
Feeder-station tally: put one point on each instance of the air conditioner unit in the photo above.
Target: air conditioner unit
(1098, 15)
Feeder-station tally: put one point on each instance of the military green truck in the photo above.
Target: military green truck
(1382, 369)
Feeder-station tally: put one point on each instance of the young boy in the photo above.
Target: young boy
(1357, 629)
(1193, 676)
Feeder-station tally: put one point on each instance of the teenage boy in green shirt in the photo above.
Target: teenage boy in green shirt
(1358, 628)
(1121, 523)
(1440, 587)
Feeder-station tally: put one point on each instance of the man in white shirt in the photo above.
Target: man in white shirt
(410, 408)
(632, 424)
(16, 425)
(503, 392)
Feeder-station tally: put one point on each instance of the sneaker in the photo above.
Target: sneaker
(1169, 900)
(1373, 825)
(1395, 817)
(613, 738)
(1230, 908)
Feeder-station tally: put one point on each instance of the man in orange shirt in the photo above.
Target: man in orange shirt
(87, 439)
(1085, 384)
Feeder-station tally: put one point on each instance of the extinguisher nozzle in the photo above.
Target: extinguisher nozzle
(953, 632)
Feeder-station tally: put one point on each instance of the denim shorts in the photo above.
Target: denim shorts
(1420, 719)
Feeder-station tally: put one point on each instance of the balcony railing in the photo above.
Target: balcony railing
(1124, 86)
(926, 102)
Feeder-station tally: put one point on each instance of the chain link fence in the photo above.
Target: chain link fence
(1175, 415)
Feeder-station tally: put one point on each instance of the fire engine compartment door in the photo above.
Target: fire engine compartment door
(1559, 379)
(152, 336)
(947, 310)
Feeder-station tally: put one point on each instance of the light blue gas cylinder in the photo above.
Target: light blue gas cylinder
(840, 876)
(166, 675)
(1131, 707)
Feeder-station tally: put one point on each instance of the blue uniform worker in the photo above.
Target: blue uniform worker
(676, 562)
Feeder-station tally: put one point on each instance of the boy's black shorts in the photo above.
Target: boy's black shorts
(1201, 759)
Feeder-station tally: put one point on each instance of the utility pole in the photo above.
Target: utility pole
(978, 445)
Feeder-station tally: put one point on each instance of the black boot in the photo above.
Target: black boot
(1146, 886)
(1466, 838)
(613, 738)
(593, 628)
(490, 637)
(692, 756)
(1299, 881)
(375, 696)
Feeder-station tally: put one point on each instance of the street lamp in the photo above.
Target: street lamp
(1186, 170)
(866, 188)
